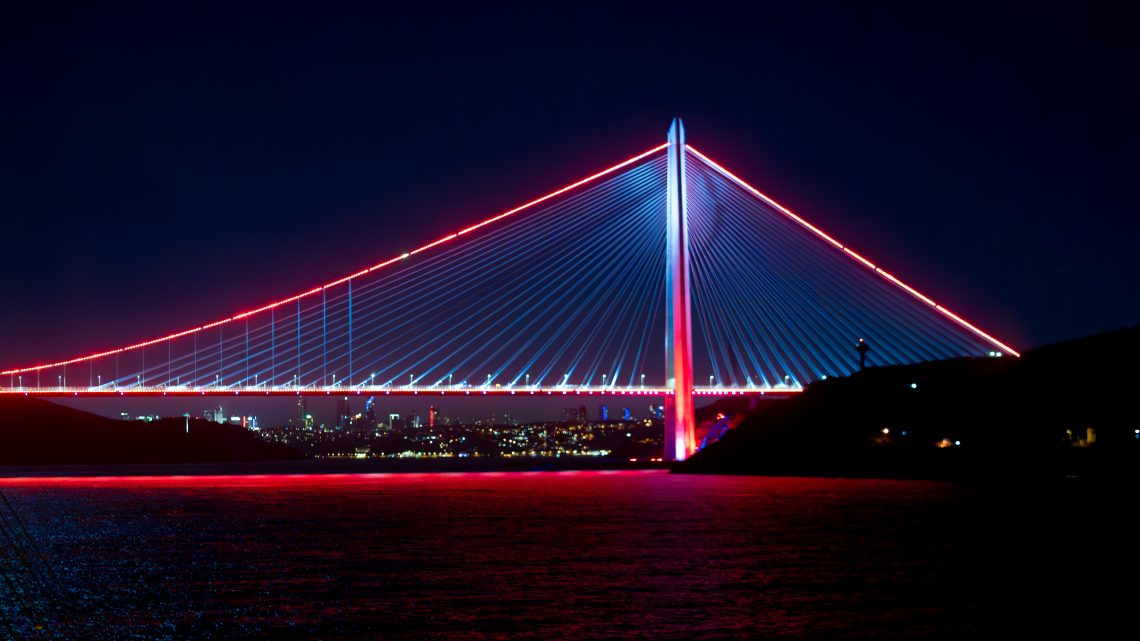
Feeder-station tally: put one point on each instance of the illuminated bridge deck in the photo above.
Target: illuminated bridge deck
(138, 391)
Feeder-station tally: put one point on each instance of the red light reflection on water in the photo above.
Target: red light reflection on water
(259, 480)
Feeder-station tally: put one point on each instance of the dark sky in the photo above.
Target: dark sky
(163, 167)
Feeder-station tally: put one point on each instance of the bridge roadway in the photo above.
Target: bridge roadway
(385, 390)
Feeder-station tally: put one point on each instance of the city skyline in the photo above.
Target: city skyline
(278, 411)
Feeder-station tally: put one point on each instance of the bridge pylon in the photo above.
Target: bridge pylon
(680, 424)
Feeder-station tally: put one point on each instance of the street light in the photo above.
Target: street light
(711, 377)
(643, 381)
(603, 381)
(449, 384)
(528, 380)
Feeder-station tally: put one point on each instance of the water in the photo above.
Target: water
(585, 555)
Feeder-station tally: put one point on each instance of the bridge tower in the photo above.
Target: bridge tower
(680, 424)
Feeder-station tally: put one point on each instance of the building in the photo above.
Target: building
(343, 413)
(215, 414)
(370, 413)
(302, 419)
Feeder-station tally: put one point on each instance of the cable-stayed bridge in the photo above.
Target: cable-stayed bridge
(662, 275)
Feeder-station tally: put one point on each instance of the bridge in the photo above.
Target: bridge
(662, 275)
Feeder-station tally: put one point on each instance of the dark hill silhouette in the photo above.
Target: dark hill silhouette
(1011, 416)
(37, 432)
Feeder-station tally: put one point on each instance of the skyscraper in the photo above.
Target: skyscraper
(343, 413)
(302, 411)
(370, 413)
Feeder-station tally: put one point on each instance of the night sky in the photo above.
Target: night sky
(161, 168)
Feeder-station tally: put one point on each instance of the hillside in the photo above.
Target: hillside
(961, 418)
(38, 432)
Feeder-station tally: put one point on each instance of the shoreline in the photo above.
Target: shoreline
(308, 467)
